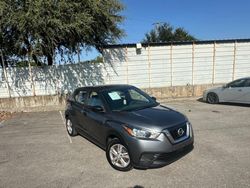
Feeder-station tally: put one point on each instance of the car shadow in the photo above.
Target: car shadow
(226, 103)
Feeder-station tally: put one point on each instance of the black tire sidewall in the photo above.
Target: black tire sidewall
(109, 145)
(215, 96)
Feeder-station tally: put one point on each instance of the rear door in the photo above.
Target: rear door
(95, 119)
(246, 92)
(78, 108)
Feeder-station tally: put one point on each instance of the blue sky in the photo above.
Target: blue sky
(205, 19)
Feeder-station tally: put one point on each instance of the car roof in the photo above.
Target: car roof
(105, 87)
(246, 78)
(241, 78)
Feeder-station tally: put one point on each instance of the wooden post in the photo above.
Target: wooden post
(31, 79)
(171, 64)
(193, 63)
(214, 53)
(5, 74)
(126, 59)
(234, 60)
(78, 53)
(149, 67)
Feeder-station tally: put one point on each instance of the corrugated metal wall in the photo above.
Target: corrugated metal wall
(151, 67)
(177, 65)
(49, 80)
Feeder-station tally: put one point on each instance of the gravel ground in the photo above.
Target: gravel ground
(35, 151)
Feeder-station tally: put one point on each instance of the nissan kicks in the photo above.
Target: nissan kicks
(133, 129)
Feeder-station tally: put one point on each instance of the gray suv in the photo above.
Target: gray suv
(133, 129)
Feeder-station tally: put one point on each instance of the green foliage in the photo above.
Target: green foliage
(166, 33)
(39, 28)
(25, 64)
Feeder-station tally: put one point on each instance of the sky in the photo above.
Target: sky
(204, 19)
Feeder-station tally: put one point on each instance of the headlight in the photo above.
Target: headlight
(140, 133)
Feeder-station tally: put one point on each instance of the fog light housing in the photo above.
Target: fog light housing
(148, 158)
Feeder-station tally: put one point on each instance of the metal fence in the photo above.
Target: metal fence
(50, 80)
(178, 64)
(158, 65)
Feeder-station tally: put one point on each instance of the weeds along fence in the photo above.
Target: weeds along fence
(148, 66)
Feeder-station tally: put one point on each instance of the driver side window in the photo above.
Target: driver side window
(237, 83)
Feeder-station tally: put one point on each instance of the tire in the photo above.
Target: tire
(70, 128)
(212, 98)
(118, 156)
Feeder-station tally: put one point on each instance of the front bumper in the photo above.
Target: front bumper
(156, 153)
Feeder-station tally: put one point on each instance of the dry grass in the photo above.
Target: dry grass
(5, 115)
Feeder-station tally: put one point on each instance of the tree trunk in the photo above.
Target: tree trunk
(50, 59)
(38, 63)
(5, 62)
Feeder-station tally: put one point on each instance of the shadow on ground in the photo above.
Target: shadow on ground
(226, 103)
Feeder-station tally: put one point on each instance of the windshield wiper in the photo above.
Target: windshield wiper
(143, 107)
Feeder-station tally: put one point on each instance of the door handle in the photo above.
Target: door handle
(239, 89)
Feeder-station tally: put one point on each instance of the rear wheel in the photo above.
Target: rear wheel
(212, 98)
(70, 128)
(118, 156)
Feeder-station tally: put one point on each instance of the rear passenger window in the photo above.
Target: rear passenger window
(94, 100)
(238, 83)
(80, 97)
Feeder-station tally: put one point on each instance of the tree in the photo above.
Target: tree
(166, 33)
(38, 29)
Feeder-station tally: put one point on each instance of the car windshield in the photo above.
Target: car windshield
(128, 99)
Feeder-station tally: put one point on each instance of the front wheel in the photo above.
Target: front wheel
(212, 98)
(118, 156)
(70, 128)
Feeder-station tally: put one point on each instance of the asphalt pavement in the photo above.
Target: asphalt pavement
(35, 151)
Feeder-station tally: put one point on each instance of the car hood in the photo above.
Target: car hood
(157, 118)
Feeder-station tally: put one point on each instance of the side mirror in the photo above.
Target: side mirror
(153, 98)
(225, 86)
(97, 108)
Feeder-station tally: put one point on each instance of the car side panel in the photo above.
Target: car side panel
(96, 125)
(246, 95)
(231, 94)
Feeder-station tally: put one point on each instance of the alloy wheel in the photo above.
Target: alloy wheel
(69, 126)
(119, 156)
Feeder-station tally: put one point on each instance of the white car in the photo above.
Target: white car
(237, 91)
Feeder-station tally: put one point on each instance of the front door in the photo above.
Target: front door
(246, 92)
(234, 92)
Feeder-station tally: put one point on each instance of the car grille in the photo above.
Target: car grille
(178, 131)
